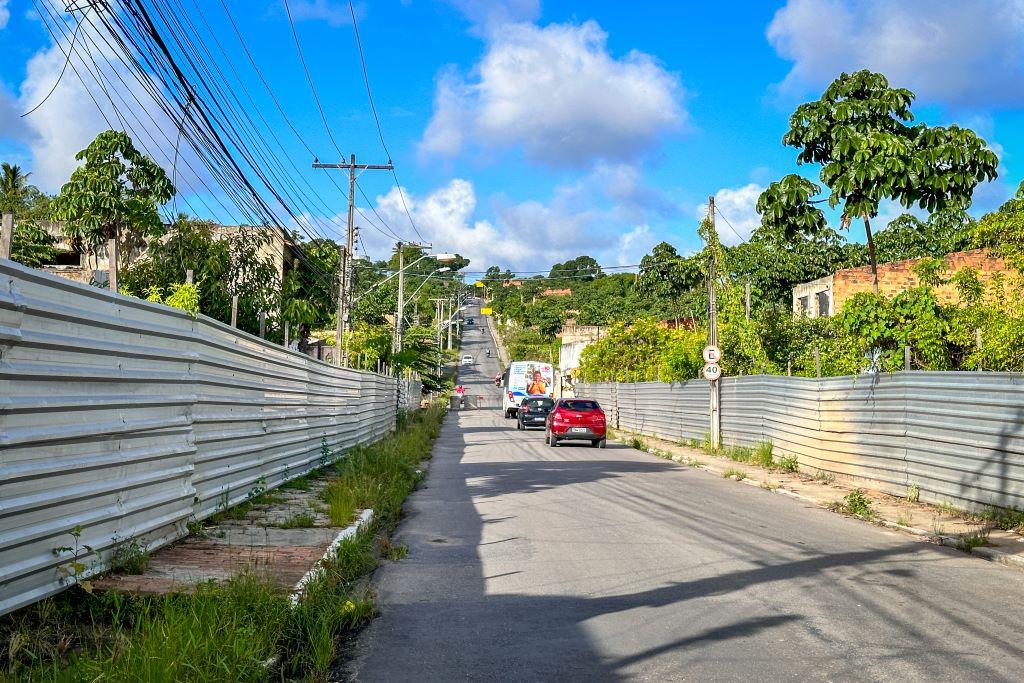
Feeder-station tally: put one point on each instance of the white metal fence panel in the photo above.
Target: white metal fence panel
(128, 418)
(958, 436)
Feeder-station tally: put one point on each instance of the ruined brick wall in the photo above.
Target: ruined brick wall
(894, 278)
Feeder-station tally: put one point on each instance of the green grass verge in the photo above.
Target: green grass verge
(228, 630)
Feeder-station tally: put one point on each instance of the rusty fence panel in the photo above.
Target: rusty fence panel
(128, 419)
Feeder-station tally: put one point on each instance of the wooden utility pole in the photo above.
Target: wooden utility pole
(715, 400)
(345, 289)
(6, 234)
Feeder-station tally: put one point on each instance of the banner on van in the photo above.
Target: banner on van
(531, 378)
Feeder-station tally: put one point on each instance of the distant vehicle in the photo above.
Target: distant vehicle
(467, 360)
(525, 378)
(576, 419)
(470, 321)
(533, 412)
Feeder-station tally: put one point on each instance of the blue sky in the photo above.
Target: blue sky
(525, 133)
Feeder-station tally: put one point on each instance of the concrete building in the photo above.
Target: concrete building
(89, 266)
(575, 338)
(825, 296)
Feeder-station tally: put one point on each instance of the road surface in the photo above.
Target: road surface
(531, 563)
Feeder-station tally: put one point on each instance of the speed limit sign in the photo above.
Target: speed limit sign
(712, 354)
(712, 371)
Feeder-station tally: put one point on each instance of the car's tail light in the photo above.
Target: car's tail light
(511, 396)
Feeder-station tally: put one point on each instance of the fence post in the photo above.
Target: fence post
(977, 341)
(789, 368)
(817, 361)
(234, 311)
(189, 276)
(906, 358)
(263, 325)
(6, 234)
(287, 332)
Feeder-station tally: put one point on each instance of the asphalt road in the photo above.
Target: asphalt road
(531, 563)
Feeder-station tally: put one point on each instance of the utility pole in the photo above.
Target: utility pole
(6, 233)
(345, 288)
(397, 343)
(400, 311)
(715, 403)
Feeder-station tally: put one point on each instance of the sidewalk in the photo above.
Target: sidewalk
(934, 524)
(279, 535)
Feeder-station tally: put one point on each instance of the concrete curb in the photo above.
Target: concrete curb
(365, 517)
(989, 554)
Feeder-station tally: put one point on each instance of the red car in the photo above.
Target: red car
(576, 418)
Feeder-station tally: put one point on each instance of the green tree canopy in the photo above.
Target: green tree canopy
(113, 196)
(859, 132)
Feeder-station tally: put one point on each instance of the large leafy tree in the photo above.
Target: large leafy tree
(909, 237)
(860, 133)
(113, 197)
(672, 284)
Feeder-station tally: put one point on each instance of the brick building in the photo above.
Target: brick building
(826, 296)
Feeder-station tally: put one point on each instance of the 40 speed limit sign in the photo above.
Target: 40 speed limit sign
(712, 371)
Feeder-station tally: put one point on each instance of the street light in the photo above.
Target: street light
(439, 270)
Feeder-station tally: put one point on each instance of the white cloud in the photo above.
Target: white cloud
(966, 54)
(559, 95)
(68, 119)
(5, 14)
(489, 15)
(737, 216)
(529, 235)
(334, 13)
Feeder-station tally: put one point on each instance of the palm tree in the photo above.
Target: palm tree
(13, 186)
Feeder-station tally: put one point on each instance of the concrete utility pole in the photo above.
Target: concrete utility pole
(399, 310)
(715, 403)
(6, 234)
(345, 289)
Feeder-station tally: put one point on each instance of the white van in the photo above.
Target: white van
(525, 378)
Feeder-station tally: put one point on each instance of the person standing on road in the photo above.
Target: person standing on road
(460, 391)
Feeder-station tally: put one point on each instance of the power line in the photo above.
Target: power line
(309, 78)
(373, 109)
(719, 212)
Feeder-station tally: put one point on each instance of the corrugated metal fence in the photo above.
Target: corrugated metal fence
(958, 436)
(128, 419)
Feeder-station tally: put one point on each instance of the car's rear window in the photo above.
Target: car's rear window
(539, 402)
(581, 406)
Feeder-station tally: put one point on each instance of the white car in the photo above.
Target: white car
(467, 360)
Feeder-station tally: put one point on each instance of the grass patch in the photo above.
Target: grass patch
(856, 504)
(905, 519)
(913, 493)
(733, 472)
(769, 485)
(968, 542)
(788, 464)
(227, 630)
(392, 551)
(130, 558)
(762, 455)
(637, 442)
(297, 484)
(302, 520)
(823, 477)
(1007, 519)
